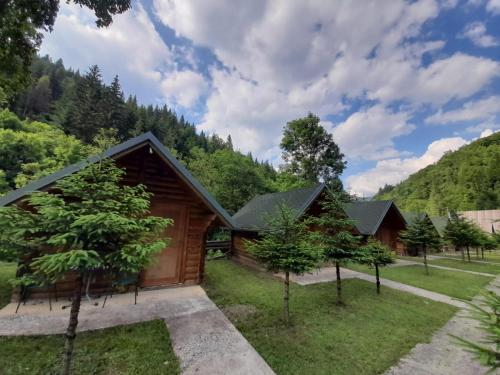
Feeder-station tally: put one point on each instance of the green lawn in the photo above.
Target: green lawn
(134, 349)
(452, 283)
(7, 271)
(459, 264)
(366, 336)
(142, 348)
(491, 256)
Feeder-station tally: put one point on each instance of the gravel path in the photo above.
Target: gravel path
(203, 338)
(328, 274)
(441, 356)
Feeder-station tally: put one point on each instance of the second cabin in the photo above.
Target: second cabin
(379, 219)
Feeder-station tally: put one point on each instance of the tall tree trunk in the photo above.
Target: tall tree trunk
(339, 285)
(378, 278)
(73, 323)
(468, 253)
(477, 252)
(286, 298)
(482, 252)
(424, 250)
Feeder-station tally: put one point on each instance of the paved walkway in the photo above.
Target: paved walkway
(203, 338)
(328, 274)
(404, 262)
(441, 356)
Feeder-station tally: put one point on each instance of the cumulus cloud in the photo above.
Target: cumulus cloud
(377, 127)
(476, 32)
(184, 88)
(393, 171)
(295, 57)
(130, 47)
(473, 110)
(493, 6)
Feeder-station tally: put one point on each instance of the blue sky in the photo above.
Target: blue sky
(397, 83)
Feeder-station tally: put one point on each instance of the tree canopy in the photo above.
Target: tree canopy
(22, 23)
(309, 151)
(466, 179)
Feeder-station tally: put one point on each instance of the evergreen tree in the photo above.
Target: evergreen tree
(422, 235)
(461, 233)
(90, 208)
(335, 234)
(285, 247)
(375, 254)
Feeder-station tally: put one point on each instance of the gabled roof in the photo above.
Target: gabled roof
(368, 215)
(440, 223)
(115, 152)
(254, 214)
(410, 217)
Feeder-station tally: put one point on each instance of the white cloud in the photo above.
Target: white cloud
(493, 6)
(369, 134)
(473, 110)
(285, 58)
(130, 47)
(183, 88)
(486, 133)
(476, 32)
(393, 171)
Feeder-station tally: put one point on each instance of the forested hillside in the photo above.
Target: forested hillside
(57, 119)
(466, 179)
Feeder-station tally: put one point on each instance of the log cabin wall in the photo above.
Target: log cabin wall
(171, 197)
(389, 229)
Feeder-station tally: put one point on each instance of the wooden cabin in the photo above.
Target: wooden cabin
(252, 218)
(176, 195)
(380, 219)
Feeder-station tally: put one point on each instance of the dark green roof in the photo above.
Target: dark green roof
(115, 152)
(410, 217)
(254, 214)
(368, 215)
(440, 223)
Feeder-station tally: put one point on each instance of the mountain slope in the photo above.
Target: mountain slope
(466, 179)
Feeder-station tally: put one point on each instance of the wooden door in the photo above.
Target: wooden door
(167, 267)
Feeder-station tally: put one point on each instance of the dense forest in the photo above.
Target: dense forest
(466, 179)
(64, 116)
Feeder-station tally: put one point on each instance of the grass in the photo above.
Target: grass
(7, 272)
(142, 348)
(491, 256)
(365, 336)
(459, 264)
(452, 283)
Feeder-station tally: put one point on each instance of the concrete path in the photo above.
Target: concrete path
(328, 274)
(472, 260)
(404, 262)
(441, 356)
(202, 337)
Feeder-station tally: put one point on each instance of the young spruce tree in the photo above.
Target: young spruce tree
(91, 221)
(375, 254)
(285, 247)
(335, 234)
(422, 235)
